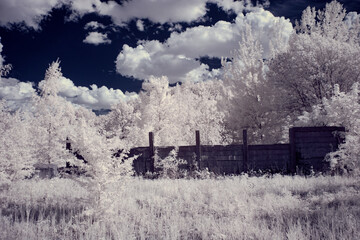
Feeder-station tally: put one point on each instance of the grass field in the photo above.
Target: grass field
(277, 207)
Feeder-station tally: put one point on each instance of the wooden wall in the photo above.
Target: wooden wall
(306, 150)
(311, 144)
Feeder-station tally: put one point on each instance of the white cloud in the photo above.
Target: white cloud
(82, 7)
(93, 25)
(175, 57)
(159, 11)
(230, 5)
(17, 94)
(352, 18)
(97, 38)
(29, 12)
(94, 97)
(13, 89)
(153, 59)
(175, 27)
(32, 12)
(140, 25)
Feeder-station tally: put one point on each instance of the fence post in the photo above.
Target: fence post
(245, 151)
(152, 152)
(292, 163)
(198, 148)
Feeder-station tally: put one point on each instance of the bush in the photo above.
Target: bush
(342, 109)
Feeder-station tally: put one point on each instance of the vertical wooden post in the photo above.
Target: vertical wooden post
(245, 151)
(198, 148)
(152, 152)
(292, 163)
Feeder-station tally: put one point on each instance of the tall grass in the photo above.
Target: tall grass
(278, 207)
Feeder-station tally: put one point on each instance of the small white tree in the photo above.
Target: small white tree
(57, 121)
(120, 125)
(53, 121)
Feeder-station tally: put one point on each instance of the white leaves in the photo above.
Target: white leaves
(342, 109)
(173, 114)
(50, 84)
(329, 22)
(309, 69)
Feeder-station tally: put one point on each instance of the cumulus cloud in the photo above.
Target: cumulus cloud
(32, 12)
(97, 38)
(352, 18)
(13, 89)
(94, 25)
(94, 97)
(230, 5)
(159, 11)
(81, 7)
(29, 12)
(17, 94)
(176, 27)
(140, 25)
(176, 57)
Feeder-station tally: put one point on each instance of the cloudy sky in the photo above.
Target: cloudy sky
(107, 48)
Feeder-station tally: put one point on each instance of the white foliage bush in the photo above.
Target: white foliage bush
(17, 152)
(169, 167)
(342, 109)
(40, 134)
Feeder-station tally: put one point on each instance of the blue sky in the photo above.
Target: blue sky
(117, 44)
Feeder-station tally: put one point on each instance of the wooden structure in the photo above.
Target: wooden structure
(305, 152)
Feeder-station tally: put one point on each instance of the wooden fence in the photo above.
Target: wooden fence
(305, 152)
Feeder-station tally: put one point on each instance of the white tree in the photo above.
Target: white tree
(53, 121)
(249, 102)
(17, 151)
(323, 53)
(57, 121)
(342, 109)
(173, 114)
(329, 22)
(120, 125)
(198, 109)
(157, 107)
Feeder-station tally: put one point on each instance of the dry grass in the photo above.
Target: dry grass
(279, 207)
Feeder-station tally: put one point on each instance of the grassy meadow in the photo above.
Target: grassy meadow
(241, 207)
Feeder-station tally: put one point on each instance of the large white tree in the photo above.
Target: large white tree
(53, 120)
(324, 52)
(197, 109)
(173, 114)
(249, 101)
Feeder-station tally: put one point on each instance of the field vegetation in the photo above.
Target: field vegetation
(238, 207)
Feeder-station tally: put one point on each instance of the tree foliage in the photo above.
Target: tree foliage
(342, 109)
(249, 101)
(324, 52)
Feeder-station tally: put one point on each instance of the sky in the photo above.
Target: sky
(107, 48)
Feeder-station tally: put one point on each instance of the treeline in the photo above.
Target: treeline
(311, 81)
